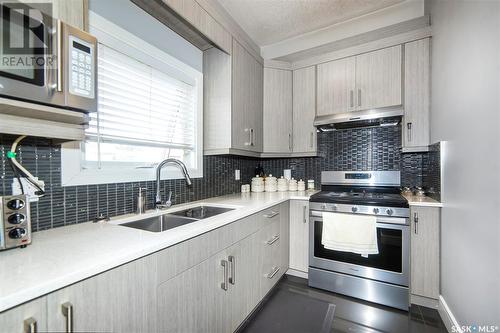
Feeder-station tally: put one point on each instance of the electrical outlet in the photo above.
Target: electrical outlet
(237, 175)
(29, 189)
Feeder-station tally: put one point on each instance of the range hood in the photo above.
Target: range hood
(389, 116)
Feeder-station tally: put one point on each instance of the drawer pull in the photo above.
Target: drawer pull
(271, 215)
(273, 240)
(415, 219)
(67, 311)
(273, 273)
(30, 325)
(224, 283)
(232, 262)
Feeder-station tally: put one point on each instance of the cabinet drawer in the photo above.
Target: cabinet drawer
(270, 253)
(271, 215)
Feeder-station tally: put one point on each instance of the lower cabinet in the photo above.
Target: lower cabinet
(425, 231)
(28, 317)
(120, 300)
(299, 235)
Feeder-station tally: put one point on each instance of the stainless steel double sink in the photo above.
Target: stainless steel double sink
(176, 219)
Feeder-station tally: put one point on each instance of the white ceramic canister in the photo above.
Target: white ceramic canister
(271, 184)
(257, 184)
(301, 185)
(310, 184)
(282, 184)
(292, 185)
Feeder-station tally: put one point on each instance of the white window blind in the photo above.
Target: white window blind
(143, 114)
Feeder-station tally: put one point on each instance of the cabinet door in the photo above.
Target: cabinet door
(119, 300)
(195, 300)
(425, 226)
(73, 12)
(277, 110)
(247, 100)
(304, 110)
(32, 313)
(336, 85)
(299, 235)
(378, 78)
(416, 132)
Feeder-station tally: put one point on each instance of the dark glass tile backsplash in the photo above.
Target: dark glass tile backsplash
(355, 149)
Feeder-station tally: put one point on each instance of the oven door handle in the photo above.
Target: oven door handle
(59, 55)
(381, 221)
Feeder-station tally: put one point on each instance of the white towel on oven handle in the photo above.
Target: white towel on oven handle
(350, 233)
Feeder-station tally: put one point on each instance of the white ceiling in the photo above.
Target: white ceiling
(271, 21)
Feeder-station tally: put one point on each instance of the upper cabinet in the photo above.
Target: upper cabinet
(367, 81)
(233, 102)
(416, 133)
(304, 110)
(72, 12)
(277, 110)
(336, 86)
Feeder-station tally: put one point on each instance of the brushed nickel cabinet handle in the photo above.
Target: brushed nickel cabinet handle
(252, 136)
(359, 97)
(289, 141)
(304, 214)
(273, 240)
(30, 325)
(408, 127)
(415, 219)
(351, 93)
(232, 262)
(67, 311)
(271, 215)
(273, 273)
(224, 283)
(59, 56)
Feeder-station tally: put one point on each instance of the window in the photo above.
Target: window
(149, 109)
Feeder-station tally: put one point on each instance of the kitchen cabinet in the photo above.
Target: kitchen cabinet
(119, 300)
(425, 236)
(277, 110)
(203, 22)
(28, 317)
(304, 110)
(379, 78)
(233, 102)
(416, 128)
(299, 235)
(366, 81)
(72, 12)
(336, 86)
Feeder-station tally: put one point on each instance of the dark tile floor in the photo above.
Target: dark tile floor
(292, 306)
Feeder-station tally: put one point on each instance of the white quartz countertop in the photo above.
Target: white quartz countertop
(424, 201)
(62, 256)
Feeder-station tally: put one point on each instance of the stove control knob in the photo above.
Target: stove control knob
(324, 207)
(354, 209)
(389, 212)
(375, 210)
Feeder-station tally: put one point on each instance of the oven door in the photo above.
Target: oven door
(29, 52)
(390, 265)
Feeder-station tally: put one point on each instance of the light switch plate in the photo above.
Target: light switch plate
(237, 175)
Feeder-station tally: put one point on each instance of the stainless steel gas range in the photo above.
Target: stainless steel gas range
(381, 278)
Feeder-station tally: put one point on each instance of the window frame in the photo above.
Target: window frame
(73, 171)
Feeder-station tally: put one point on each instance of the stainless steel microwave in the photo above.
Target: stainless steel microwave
(63, 71)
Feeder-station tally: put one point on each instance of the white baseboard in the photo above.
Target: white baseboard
(447, 316)
(296, 273)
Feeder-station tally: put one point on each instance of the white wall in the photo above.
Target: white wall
(465, 114)
(133, 19)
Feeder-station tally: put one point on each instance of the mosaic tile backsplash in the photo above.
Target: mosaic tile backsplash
(354, 149)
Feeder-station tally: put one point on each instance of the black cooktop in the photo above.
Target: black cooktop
(372, 196)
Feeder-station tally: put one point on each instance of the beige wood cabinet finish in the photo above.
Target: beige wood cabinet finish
(336, 86)
(198, 17)
(425, 236)
(247, 100)
(277, 110)
(366, 81)
(299, 235)
(13, 320)
(304, 110)
(379, 78)
(120, 300)
(416, 128)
